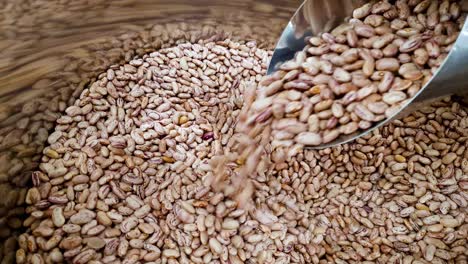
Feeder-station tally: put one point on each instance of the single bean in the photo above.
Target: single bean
(362, 11)
(387, 64)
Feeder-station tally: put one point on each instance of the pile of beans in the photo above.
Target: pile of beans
(179, 156)
(136, 142)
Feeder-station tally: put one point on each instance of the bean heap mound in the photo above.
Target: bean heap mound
(125, 164)
(172, 158)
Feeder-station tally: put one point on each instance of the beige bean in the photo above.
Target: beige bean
(366, 91)
(369, 62)
(382, 41)
(374, 20)
(215, 246)
(393, 97)
(320, 50)
(386, 82)
(308, 138)
(341, 75)
(387, 64)
(362, 11)
(432, 48)
(390, 50)
(380, 7)
(57, 217)
(82, 217)
(330, 135)
(364, 31)
(352, 38)
(411, 44)
(364, 113)
(377, 107)
(410, 71)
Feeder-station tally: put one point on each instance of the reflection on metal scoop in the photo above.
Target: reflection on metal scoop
(318, 16)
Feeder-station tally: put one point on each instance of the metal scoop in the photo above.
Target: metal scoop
(319, 16)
